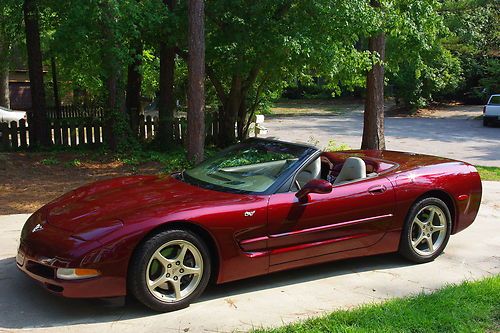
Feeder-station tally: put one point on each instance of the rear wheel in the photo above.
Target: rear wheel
(170, 270)
(485, 122)
(426, 231)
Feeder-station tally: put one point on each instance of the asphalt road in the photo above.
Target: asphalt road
(459, 137)
(264, 301)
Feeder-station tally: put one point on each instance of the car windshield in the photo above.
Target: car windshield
(249, 167)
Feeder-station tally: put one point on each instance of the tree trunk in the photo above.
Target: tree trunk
(229, 115)
(114, 134)
(166, 101)
(55, 87)
(39, 130)
(166, 98)
(4, 87)
(4, 74)
(242, 119)
(134, 83)
(196, 80)
(373, 130)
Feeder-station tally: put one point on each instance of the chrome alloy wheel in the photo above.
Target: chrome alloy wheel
(174, 271)
(428, 230)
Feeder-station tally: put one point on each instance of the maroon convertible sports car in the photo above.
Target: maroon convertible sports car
(258, 207)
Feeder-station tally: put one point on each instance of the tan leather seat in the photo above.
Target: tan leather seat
(312, 171)
(353, 169)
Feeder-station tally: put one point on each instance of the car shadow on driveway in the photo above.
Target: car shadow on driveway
(25, 304)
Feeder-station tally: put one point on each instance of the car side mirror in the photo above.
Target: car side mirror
(319, 186)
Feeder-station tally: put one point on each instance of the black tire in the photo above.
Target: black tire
(405, 247)
(137, 284)
(485, 122)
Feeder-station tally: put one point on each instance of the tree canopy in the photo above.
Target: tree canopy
(436, 49)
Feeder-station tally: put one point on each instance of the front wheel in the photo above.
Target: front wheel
(485, 122)
(426, 231)
(170, 270)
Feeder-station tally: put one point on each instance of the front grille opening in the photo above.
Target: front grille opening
(40, 270)
(54, 288)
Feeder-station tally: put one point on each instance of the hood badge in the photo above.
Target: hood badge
(249, 213)
(38, 227)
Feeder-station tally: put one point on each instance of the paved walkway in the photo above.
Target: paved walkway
(265, 301)
(458, 137)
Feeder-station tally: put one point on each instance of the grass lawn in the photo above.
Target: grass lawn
(469, 307)
(291, 108)
(489, 173)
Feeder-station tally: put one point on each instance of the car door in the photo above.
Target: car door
(353, 215)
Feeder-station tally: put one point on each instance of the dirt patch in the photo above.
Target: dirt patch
(30, 180)
(439, 110)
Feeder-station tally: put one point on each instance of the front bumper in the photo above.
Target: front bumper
(43, 270)
(96, 287)
(44, 248)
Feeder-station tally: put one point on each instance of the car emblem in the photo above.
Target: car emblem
(38, 227)
(249, 213)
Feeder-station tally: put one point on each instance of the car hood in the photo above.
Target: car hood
(106, 204)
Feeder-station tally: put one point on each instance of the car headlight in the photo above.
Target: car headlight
(76, 273)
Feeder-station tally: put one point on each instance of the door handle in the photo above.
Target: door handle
(377, 189)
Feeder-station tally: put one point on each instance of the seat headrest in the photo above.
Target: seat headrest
(353, 168)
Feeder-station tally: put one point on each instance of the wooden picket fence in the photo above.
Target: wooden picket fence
(76, 112)
(90, 132)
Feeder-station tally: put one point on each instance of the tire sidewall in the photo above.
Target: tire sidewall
(405, 247)
(137, 283)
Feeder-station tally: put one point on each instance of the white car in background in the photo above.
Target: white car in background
(491, 111)
(8, 115)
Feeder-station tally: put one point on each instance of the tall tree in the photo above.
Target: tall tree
(10, 34)
(55, 86)
(196, 79)
(39, 133)
(256, 48)
(166, 100)
(4, 75)
(115, 134)
(373, 129)
(418, 66)
(134, 83)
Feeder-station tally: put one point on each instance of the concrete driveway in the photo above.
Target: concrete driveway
(265, 301)
(454, 134)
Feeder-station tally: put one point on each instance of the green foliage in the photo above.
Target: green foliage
(50, 161)
(75, 163)
(418, 65)
(435, 48)
(150, 72)
(475, 40)
(334, 146)
(11, 30)
(124, 140)
(272, 44)
(469, 307)
(489, 173)
(489, 79)
(174, 160)
(331, 146)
